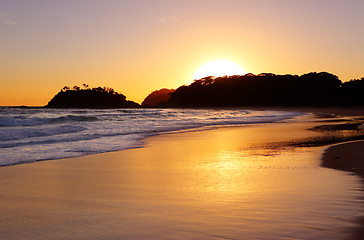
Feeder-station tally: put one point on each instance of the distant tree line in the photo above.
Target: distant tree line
(265, 89)
(268, 89)
(98, 97)
(87, 88)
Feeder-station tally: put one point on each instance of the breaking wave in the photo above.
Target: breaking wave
(28, 135)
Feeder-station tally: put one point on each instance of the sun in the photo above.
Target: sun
(218, 68)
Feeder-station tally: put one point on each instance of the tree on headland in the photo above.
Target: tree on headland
(65, 88)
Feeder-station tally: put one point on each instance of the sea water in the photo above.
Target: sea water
(35, 134)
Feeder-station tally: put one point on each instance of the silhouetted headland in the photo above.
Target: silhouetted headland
(268, 89)
(90, 98)
(263, 90)
(158, 98)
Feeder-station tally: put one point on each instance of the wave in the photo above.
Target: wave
(42, 134)
(14, 134)
(35, 121)
(71, 118)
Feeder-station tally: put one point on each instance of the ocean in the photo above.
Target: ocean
(37, 134)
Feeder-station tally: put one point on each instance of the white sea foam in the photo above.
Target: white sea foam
(28, 135)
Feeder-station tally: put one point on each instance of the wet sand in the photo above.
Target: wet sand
(226, 183)
(348, 157)
(345, 156)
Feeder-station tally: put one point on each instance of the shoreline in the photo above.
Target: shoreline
(330, 115)
(88, 128)
(349, 157)
(339, 111)
(346, 156)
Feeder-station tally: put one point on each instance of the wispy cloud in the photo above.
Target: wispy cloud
(167, 19)
(8, 22)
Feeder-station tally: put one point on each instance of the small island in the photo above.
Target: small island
(100, 97)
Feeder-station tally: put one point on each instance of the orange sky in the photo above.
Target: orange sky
(136, 46)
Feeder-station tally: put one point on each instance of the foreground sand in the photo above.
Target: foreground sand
(347, 157)
(226, 183)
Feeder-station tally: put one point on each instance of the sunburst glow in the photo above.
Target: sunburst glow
(218, 68)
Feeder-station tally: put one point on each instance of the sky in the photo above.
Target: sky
(139, 46)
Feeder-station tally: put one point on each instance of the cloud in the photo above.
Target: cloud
(9, 22)
(167, 19)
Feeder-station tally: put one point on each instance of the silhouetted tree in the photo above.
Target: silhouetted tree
(65, 88)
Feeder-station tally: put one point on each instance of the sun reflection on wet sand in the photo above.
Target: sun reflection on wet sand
(199, 185)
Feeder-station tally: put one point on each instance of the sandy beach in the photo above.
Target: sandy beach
(348, 157)
(225, 183)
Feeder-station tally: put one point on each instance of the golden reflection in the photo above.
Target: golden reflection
(212, 182)
(225, 169)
